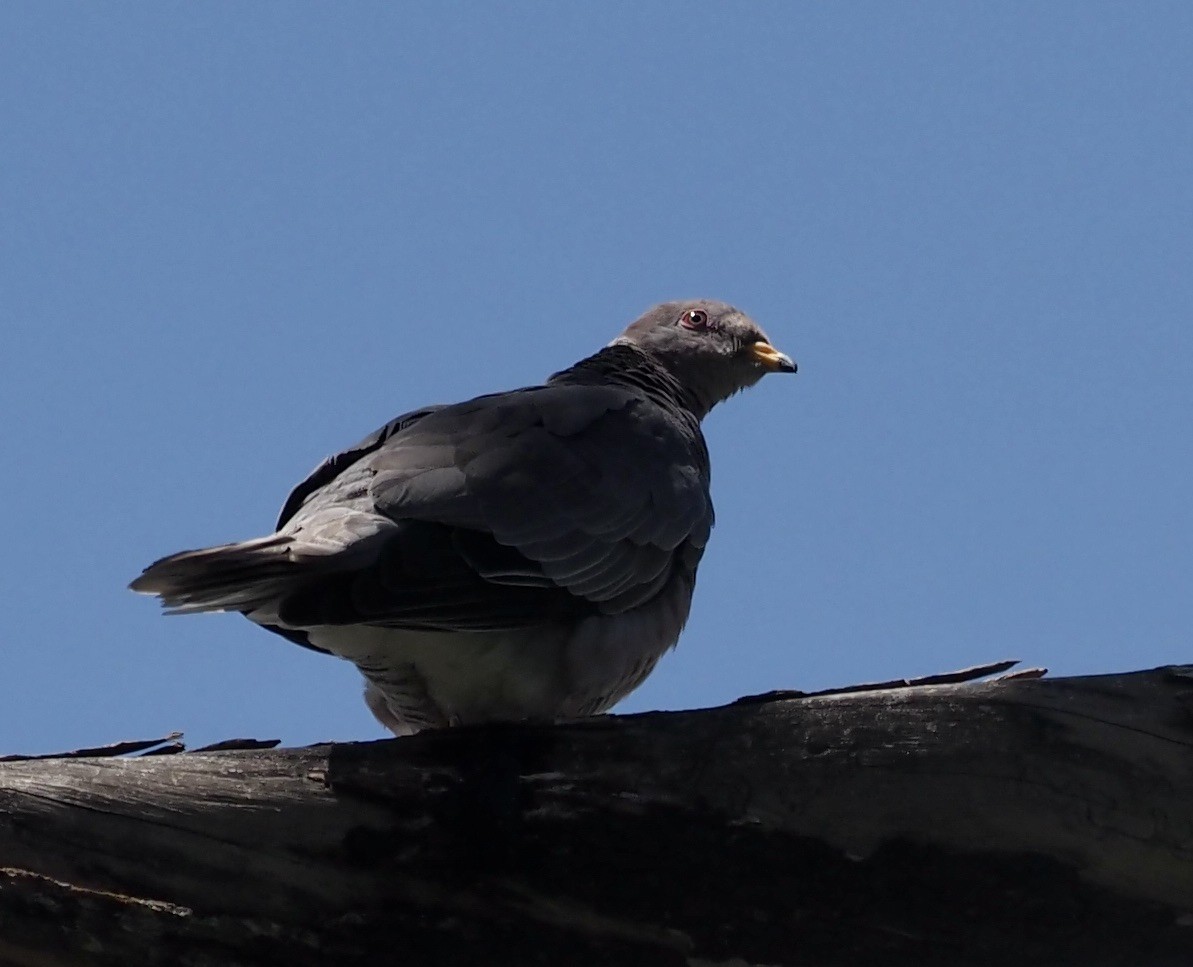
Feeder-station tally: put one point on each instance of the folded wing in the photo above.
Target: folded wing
(506, 511)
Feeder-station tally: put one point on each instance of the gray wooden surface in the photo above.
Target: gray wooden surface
(1023, 821)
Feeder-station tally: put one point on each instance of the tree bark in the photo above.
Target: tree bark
(1015, 821)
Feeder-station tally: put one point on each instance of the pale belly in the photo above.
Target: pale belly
(421, 679)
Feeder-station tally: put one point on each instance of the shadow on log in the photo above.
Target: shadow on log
(1015, 821)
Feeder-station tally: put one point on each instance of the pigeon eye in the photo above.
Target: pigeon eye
(694, 319)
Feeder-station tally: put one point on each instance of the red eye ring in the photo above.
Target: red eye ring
(694, 319)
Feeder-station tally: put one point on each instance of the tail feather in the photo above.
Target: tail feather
(232, 577)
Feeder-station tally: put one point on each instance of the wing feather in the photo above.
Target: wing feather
(512, 509)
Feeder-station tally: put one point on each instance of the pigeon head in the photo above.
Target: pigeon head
(713, 349)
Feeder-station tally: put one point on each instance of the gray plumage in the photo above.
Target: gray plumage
(528, 554)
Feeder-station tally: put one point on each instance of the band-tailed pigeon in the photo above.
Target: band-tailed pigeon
(528, 554)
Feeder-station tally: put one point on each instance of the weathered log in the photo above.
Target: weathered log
(1016, 821)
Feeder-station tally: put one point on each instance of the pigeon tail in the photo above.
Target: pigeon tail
(231, 577)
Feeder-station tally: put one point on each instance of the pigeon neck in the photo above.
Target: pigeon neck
(629, 366)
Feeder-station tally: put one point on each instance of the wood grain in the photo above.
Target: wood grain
(1023, 820)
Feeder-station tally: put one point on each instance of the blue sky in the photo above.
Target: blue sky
(236, 237)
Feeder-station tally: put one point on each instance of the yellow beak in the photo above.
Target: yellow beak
(770, 359)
